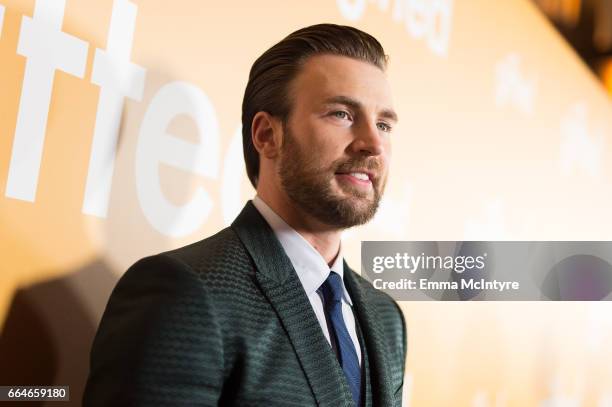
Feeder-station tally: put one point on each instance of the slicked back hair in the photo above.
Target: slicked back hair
(272, 73)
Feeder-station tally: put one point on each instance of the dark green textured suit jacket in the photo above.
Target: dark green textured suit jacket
(225, 321)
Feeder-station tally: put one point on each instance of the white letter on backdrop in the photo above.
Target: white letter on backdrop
(1, 18)
(155, 146)
(352, 9)
(117, 78)
(46, 48)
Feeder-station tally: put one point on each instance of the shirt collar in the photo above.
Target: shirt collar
(311, 268)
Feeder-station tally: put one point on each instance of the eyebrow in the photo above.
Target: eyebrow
(356, 105)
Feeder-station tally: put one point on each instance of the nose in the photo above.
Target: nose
(368, 139)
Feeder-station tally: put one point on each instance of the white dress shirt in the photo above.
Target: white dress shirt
(312, 270)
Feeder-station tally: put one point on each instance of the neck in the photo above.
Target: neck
(324, 239)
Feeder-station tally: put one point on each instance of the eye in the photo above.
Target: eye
(341, 114)
(384, 127)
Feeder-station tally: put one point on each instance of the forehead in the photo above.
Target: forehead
(325, 76)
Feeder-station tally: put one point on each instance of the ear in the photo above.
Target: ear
(267, 134)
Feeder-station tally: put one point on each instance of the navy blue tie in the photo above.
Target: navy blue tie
(332, 290)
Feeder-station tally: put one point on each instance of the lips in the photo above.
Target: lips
(357, 179)
(360, 174)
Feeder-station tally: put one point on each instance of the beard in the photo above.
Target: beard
(309, 184)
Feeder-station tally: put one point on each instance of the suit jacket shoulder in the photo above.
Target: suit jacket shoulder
(219, 253)
(150, 347)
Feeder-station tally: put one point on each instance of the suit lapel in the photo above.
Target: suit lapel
(382, 388)
(367, 378)
(281, 286)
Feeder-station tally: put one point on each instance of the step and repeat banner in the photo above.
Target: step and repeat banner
(120, 137)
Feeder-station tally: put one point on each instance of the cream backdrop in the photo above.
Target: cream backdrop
(120, 137)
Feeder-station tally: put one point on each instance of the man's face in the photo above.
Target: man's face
(334, 159)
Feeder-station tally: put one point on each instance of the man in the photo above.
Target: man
(266, 312)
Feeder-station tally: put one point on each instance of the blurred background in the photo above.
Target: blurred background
(120, 138)
(587, 26)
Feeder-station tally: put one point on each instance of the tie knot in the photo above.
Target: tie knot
(332, 288)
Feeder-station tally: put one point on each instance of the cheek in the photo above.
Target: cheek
(327, 142)
(324, 142)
